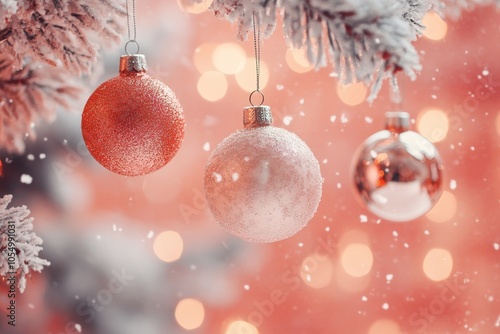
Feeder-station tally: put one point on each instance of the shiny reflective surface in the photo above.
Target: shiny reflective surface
(397, 172)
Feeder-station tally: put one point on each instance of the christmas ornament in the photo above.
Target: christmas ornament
(263, 183)
(133, 124)
(397, 172)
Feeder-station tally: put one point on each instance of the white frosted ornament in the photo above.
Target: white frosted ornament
(397, 172)
(263, 183)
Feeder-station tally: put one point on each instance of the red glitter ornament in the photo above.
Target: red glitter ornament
(133, 124)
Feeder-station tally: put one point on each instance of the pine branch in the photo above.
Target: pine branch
(58, 32)
(365, 40)
(29, 94)
(27, 244)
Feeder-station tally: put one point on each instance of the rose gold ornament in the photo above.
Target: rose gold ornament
(133, 124)
(263, 183)
(397, 172)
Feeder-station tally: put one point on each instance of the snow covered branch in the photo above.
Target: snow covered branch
(28, 94)
(43, 43)
(58, 32)
(365, 40)
(23, 258)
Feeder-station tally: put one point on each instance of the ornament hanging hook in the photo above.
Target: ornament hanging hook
(131, 37)
(256, 44)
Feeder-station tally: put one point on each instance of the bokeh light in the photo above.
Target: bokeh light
(212, 86)
(433, 124)
(357, 259)
(316, 271)
(445, 208)
(297, 60)
(189, 313)
(202, 57)
(229, 58)
(246, 78)
(194, 7)
(435, 27)
(384, 326)
(241, 327)
(438, 264)
(168, 246)
(352, 94)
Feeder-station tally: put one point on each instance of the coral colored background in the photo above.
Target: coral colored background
(94, 222)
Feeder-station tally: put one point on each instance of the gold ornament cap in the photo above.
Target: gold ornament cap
(397, 121)
(133, 64)
(256, 116)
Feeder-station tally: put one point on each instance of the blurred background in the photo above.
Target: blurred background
(143, 254)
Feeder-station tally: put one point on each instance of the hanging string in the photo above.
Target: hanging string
(256, 45)
(396, 92)
(131, 37)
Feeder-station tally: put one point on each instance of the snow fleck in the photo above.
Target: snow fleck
(485, 72)
(192, 267)
(325, 161)
(302, 113)
(114, 228)
(339, 185)
(327, 229)
(26, 179)
(406, 245)
(389, 277)
(491, 298)
(280, 87)
(434, 97)
(301, 244)
(395, 234)
(150, 234)
(206, 146)
(385, 306)
(30, 157)
(98, 237)
(364, 298)
(368, 120)
(246, 159)
(217, 177)
(301, 101)
(497, 323)
(78, 327)
(333, 75)
(287, 120)
(472, 148)
(453, 184)
(343, 118)
(235, 177)
(45, 138)
(42, 156)
(426, 232)
(496, 245)
(31, 306)
(363, 218)
(246, 287)
(333, 118)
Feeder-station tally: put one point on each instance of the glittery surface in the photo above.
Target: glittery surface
(263, 184)
(133, 124)
(398, 176)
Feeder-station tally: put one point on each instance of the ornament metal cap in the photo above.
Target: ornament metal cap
(135, 63)
(256, 116)
(397, 121)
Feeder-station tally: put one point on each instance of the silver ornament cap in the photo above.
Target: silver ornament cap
(134, 63)
(256, 116)
(397, 121)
